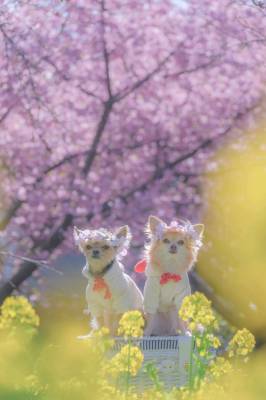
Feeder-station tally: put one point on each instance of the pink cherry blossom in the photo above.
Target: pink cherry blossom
(111, 110)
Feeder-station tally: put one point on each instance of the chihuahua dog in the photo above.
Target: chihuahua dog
(110, 291)
(170, 254)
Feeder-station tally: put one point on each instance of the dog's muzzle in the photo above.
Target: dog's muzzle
(96, 254)
(173, 249)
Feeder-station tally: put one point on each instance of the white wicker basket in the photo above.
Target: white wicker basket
(170, 355)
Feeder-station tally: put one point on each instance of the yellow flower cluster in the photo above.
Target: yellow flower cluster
(196, 310)
(100, 341)
(205, 342)
(18, 314)
(128, 360)
(220, 366)
(131, 324)
(242, 343)
(67, 370)
(101, 333)
(212, 340)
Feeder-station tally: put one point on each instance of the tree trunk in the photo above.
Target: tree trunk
(27, 268)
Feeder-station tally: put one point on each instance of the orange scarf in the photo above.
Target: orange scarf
(99, 285)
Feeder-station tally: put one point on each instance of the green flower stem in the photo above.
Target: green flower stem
(128, 367)
(191, 375)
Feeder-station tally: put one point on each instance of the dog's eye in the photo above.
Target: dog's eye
(181, 242)
(166, 241)
(88, 247)
(106, 247)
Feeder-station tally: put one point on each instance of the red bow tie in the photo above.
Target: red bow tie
(166, 277)
(99, 285)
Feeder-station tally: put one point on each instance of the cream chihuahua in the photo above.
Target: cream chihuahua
(110, 291)
(170, 254)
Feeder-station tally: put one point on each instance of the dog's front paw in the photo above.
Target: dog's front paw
(88, 336)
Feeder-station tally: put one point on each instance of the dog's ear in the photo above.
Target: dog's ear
(123, 232)
(153, 223)
(199, 228)
(76, 233)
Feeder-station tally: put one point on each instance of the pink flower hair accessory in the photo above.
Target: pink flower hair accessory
(181, 225)
(81, 237)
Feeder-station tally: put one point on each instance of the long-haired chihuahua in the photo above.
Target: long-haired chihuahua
(170, 253)
(110, 291)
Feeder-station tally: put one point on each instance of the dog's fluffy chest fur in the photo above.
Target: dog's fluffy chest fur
(160, 297)
(125, 294)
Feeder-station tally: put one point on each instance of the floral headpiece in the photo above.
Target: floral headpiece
(81, 237)
(184, 226)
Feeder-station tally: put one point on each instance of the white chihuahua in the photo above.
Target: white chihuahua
(170, 254)
(110, 291)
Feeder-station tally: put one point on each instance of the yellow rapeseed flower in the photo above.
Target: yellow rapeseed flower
(17, 314)
(102, 340)
(242, 343)
(219, 366)
(128, 360)
(131, 324)
(213, 341)
(196, 310)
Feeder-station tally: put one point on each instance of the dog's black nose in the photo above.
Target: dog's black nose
(95, 253)
(173, 248)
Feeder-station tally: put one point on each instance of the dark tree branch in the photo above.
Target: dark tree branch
(91, 154)
(159, 172)
(27, 267)
(61, 162)
(105, 52)
(67, 78)
(259, 3)
(120, 96)
(9, 214)
(5, 114)
(42, 264)
(28, 63)
(58, 236)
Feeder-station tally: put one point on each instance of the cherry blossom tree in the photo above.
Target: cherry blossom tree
(110, 111)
